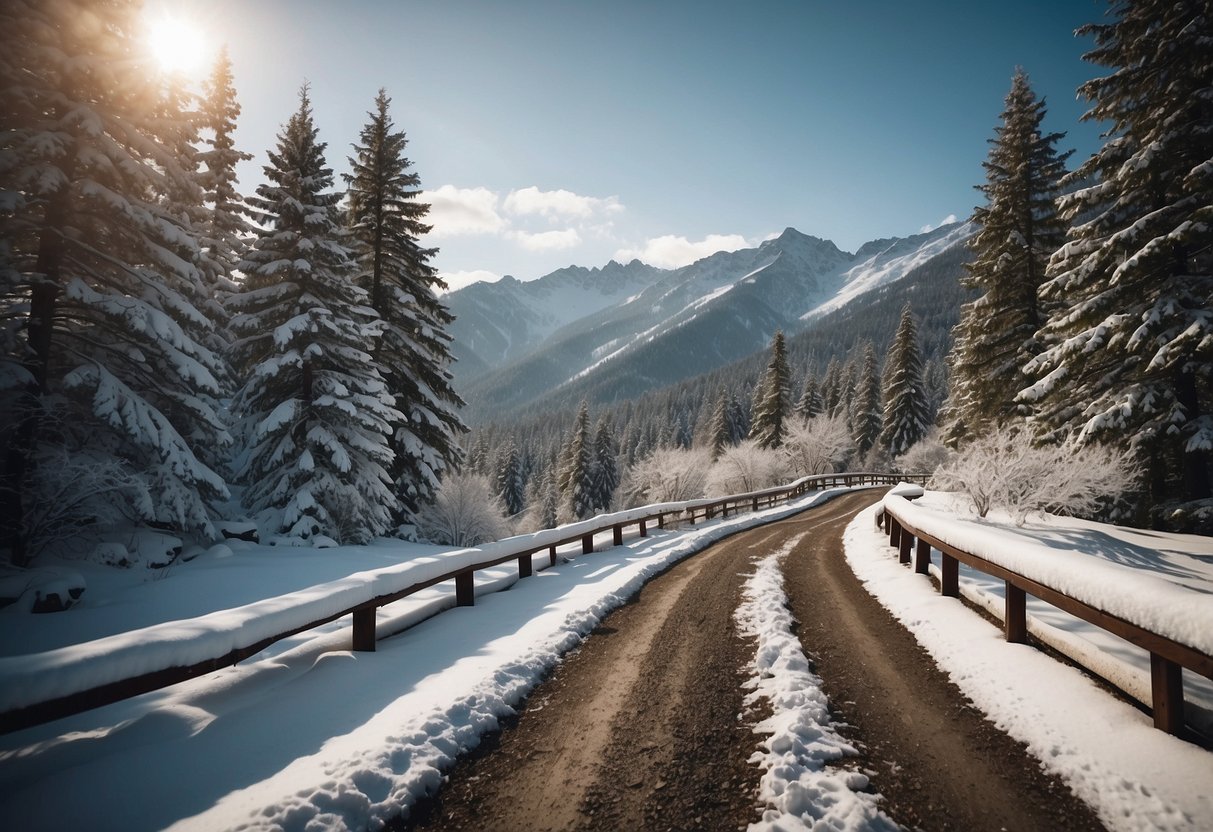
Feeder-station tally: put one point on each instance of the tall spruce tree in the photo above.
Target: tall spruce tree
(906, 412)
(104, 356)
(225, 228)
(387, 220)
(606, 465)
(511, 484)
(773, 399)
(721, 431)
(810, 403)
(866, 415)
(577, 470)
(1019, 228)
(315, 410)
(1132, 349)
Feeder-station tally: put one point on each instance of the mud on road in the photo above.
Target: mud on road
(642, 727)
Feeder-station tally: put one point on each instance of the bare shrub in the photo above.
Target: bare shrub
(466, 511)
(746, 467)
(818, 446)
(667, 475)
(925, 456)
(1003, 469)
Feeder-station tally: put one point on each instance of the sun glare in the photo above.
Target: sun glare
(178, 45)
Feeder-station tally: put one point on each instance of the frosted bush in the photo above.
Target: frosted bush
(817, 446)
(667, 475)
(1003, 469)
(467, 511)
(924, 457)
(73, 492)
(746, 467)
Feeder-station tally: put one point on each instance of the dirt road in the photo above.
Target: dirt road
(641, 728)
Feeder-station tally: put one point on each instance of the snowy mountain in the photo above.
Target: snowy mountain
(627, 329)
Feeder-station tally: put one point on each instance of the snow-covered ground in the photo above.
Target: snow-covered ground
(308, 735)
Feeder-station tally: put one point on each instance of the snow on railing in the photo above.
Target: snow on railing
(1172, 623)
(45, 686)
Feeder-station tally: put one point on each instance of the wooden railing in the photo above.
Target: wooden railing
(1167, 656)
(80, 684)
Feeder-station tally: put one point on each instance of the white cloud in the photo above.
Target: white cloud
(457, 280)
(547, 240)
(670, 252)
(459, 211)
(559, 204)
(948, 220)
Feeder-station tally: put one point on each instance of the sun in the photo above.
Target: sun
(178, 45)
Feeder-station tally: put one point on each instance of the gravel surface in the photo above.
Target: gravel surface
(643, 726)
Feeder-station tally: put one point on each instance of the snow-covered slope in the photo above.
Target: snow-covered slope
(499, 322)
(631, 328)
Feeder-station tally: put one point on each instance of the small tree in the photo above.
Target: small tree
(465, 512)
(866, 418)
(928, 454)
(1003, 469)
(510, 481)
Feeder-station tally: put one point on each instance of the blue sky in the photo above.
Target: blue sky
(551, 133)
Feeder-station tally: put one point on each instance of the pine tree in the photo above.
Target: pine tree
(316, 412)
(866, 417)
(511, 484)
(1019, 229)
(721, 431)
(103, 329)
(413, 348)
(810, 403)
(606, 465)
(1131, 353)
(577, 470)
(772, 400)
(225, 228)
(906, 418)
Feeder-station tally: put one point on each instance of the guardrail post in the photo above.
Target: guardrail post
(949, 583)
(661, 521)
(1015, 615)
(894, 531)
(903, 548)
(617, 534)
(1167, 689)
(364, 630)
(755, 504)
(922, 558)
(551, 556)
(465, 590)
(587, 543)
(524, 565)
(644, 529)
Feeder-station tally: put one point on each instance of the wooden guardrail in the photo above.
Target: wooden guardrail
(1167, 656)
(81, 684)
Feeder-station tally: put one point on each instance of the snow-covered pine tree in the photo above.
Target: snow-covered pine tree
(315, 411)
(773, 398)
(721, 430)
(577, 472)
(606, 465)
(510, 482)
(1019, 228)
(832, 394)
(866, 416)
(104, 338)
(810, 403)
(413, 350)
(224, 232)
(1131, 353)
(906, 416)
